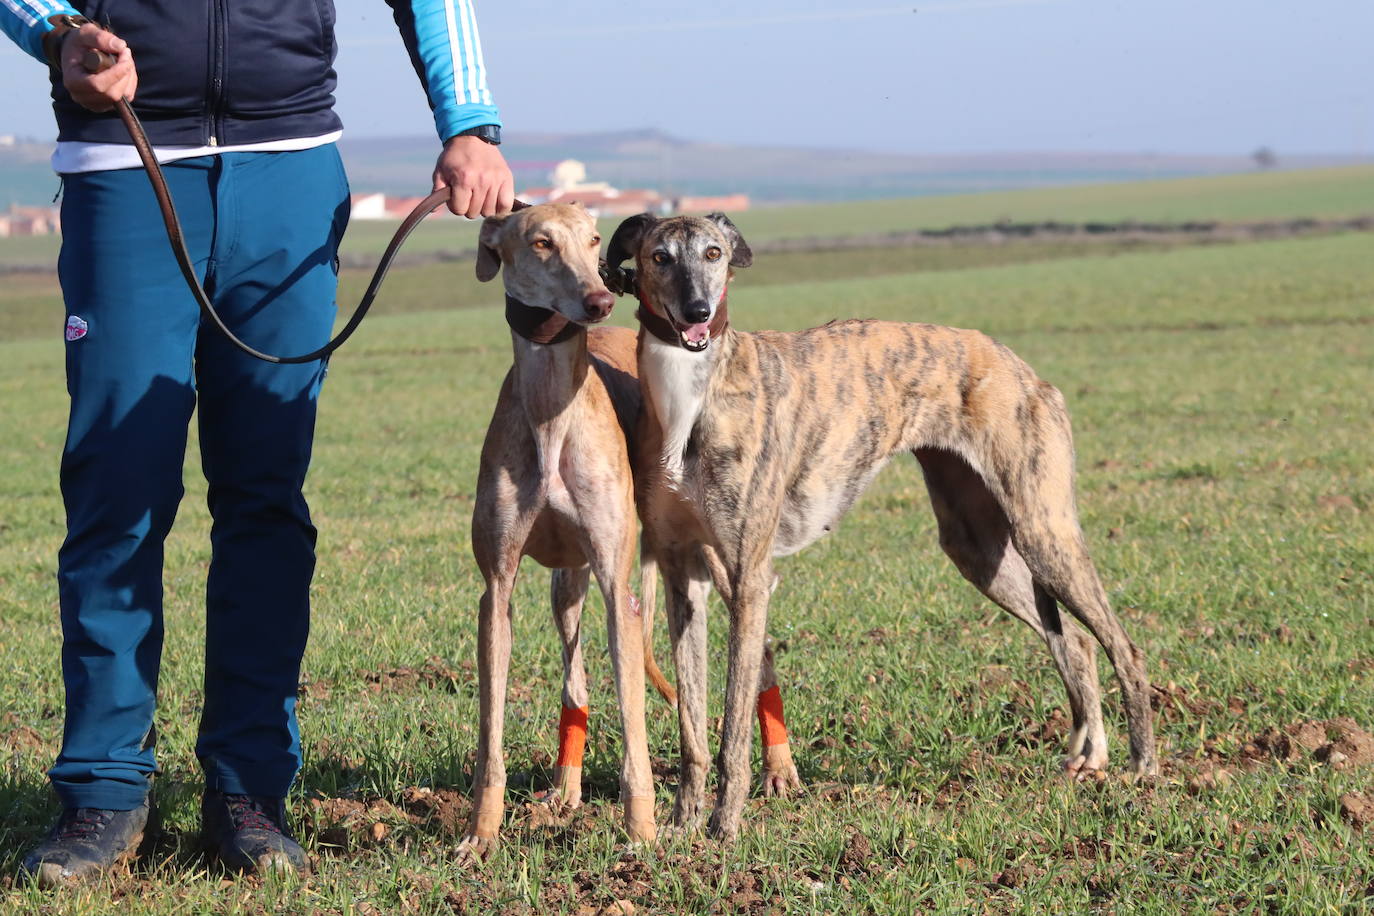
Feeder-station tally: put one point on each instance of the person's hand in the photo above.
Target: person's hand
(97, 91)
(478, 179)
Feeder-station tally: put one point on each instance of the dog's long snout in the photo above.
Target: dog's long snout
(697, 311)
(598, 304)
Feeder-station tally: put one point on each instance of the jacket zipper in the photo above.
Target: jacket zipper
(216, 95)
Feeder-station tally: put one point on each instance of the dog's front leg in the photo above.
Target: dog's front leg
(687, 588)
(748, 623)
(493, 666)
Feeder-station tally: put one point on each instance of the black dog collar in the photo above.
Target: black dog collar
(540, 325)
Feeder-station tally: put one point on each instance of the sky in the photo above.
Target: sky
(946, 76)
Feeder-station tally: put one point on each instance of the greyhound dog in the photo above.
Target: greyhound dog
(753, 445)
(555, 485)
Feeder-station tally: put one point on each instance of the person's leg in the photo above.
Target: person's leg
(131, 330)
(280, 219)
(131, 337)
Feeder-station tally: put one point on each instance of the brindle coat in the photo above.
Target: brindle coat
(756, 446)
(555, 485)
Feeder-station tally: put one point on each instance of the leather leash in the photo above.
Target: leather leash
(96, 61)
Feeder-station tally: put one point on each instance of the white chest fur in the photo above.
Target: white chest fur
(676, 380)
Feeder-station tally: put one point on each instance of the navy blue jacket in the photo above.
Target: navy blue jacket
(229, 72)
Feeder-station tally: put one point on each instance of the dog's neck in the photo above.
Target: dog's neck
(551, 366)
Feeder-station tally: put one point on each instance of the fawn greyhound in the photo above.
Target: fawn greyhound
(753, 445)
(555, 485)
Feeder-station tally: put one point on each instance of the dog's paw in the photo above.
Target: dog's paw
(686, 816)
(723, 826)
(1083, 767)
(779, 778)
(473, 850)
(559, 799)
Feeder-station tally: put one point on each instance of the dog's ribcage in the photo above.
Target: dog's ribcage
(804, 421)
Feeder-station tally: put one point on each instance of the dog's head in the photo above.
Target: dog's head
(550, 252)
(682, 267)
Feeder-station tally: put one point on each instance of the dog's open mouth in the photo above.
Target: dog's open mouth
(694, 337)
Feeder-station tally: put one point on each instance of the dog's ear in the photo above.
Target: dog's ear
(740, 253)
(625, 241)
(488, 248)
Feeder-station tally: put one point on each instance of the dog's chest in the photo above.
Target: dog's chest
(676, 382)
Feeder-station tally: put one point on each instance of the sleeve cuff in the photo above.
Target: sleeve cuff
(453, 121)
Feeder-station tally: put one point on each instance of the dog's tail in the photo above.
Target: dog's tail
(648, 603)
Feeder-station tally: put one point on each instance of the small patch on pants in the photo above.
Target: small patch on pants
(76, 327)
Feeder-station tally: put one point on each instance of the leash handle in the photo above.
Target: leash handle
(96, 61)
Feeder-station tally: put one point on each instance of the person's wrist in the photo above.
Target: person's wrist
(487, 133)
(63, 24)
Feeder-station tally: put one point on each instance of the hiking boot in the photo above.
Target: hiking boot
(85, 843)
(248, 833)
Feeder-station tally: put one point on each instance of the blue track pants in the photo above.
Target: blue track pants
(263, 230)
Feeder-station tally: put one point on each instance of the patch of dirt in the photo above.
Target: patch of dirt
(343, 824)
(1340, 743)
(1173, 703)
(23, 738)
(1357, 809)
(434, 674)
(857, 859)
(446, 809)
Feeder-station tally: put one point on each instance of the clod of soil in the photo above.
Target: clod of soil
(433, 674)
(1358, 810)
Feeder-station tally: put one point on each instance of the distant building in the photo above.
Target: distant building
(25, 221)
(381, 206)
(568, 185)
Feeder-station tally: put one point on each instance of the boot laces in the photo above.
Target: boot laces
(249, 813)
(82, 823)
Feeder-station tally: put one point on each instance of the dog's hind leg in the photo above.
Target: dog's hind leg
(567, 592)
(687, 589)
(779, 775)
(1038, 498)
(976, 535)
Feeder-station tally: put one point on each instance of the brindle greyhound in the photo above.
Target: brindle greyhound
(753, 445)
(555, 484)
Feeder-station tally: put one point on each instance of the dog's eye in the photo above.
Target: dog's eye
(596, 240)
(542, 245)
(661, 257)
(713, 253)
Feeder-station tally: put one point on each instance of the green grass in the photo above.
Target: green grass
(1259, 196)
(1221, 402)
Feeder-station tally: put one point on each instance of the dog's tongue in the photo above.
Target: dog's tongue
(695, 333)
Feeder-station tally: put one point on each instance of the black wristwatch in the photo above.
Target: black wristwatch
(491, 133)
(62, 23)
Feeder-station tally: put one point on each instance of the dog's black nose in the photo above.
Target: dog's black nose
(696, 312)
(598, 304)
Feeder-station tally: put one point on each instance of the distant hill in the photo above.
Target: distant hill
(770, 175)
(651, 158)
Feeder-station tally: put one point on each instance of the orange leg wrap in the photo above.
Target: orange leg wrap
(572, 736)
(771, 726)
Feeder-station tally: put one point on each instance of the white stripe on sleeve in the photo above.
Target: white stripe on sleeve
(469, 66)
(454, 52)
(481, 62)
(20, 13)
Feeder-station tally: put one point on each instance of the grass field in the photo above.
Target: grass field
(1222, 409)
(1278, 195)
